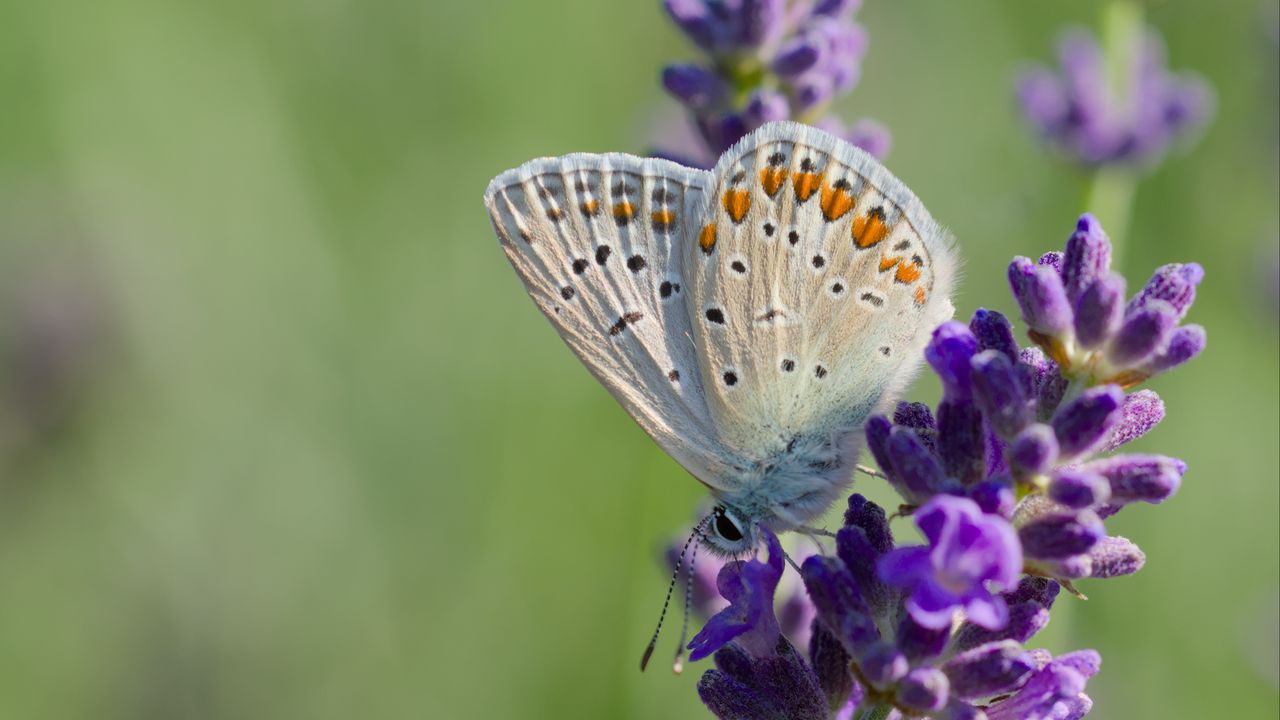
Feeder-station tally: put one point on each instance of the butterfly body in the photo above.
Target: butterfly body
(750, 318)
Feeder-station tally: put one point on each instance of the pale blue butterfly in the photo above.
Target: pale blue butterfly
(750, 318)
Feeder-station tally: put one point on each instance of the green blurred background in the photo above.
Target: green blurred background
(281, 437)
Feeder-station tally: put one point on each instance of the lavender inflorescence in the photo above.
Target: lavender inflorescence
(1010, 479)
(1107, 110)
(768, 60)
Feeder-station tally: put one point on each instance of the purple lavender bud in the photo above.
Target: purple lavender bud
(997, 389)
(1146, 330)
(796, 57)
(1185, 343)
(1078, 489)
(1056, 536)
(883, 665)
(918, 642)
(1086, 258)
(1174, 284)
(1115, 556)
(993, 331)
(692, 85)
(871, 136)
(949, 352)
(694, 18)
(734, 661)
(1039, 292)
(877, 429)
(959, 441)
(1041, 591)
(831, 664)
(915, 415)
(1142, 410)
(995, 496)
(913, 464)
(1047, 383)
(765, 106)
(1139, 478)
(786, 683)
(1099, 310)
(727, 697)
(1052, 259)
(1025, 620)
(1085, 422)
(1035, 449)
(869, 516)
(839, 603)
(855, 550)
(993, 669)
(924, 689)
(759, 21)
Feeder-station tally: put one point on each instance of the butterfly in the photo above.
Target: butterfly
(750, 318)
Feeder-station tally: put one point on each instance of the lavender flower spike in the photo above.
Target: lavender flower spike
(968, 551)
(1078, 111)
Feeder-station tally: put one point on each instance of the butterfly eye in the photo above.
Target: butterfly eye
(726, 528)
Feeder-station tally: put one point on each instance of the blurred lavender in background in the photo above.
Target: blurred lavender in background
(767, 60)
(1118, 106)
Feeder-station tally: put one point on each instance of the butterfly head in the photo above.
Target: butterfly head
(729, 532)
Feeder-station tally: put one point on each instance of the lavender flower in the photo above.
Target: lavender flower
(1085, 115)
(1075, 311)
(967, 552)
(766, 62)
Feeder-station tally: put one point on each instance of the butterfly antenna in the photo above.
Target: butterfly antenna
(648, 651)
(677, 666)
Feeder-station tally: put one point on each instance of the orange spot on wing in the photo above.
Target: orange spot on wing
(772, 179)
(590, 207)
(624, 211)
(806, 184)
(835, 202)
(737, 203)
(707, 238)
(920, 296)
(907, 272)
(663, 218)
(888, 262)
(869, 229)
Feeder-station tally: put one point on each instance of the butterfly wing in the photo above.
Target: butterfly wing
(597, 241)
(815, 283)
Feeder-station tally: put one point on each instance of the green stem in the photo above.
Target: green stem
(1110, 192)
(1109, 196)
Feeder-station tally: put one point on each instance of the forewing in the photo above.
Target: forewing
(816, 280)
(597, 241)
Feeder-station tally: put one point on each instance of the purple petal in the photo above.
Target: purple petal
(796, 57)
(986, 610)
(906, 566)
(871, 136)
(1174, 284)
(913, 464)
